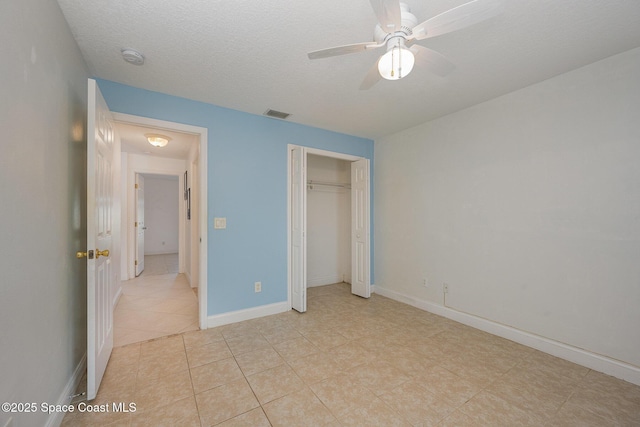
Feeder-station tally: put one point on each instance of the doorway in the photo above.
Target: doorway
(186, 168)
(328, 220)
(359, 188)
(157, 218)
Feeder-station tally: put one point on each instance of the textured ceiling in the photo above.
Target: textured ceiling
(252, 55)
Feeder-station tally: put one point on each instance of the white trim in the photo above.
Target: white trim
(573, 354)
(155, 123)
(332, 154)
(65, 398)
(202, 159)
(324, 280)
(203, 283)
(247, 314)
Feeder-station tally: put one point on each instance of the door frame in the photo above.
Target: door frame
(132, 214)
(137, 179)
(202, 195)
(319, 152)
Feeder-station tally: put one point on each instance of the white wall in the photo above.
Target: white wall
(43, 110)
(162, 197)
(328, 222)
(528, 206)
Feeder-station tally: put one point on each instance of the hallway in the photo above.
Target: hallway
(158, 303)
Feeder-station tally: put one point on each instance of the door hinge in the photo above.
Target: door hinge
(135, 224)
(136, 186)
(136, 262)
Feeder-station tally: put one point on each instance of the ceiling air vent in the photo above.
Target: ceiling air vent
(276, 114)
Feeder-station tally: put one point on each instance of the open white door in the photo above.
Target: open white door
(298, 220)
(100, 277)
(360, 270)
(140, 227)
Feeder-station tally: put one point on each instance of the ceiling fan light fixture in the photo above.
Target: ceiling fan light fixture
(397, 62)
(157, 140)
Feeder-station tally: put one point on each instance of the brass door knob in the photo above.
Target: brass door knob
(81, 254)
(100, 253)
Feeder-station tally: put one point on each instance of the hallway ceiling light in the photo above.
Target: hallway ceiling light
(157, 140)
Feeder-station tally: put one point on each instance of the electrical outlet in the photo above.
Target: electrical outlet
(258, 286)
(425, 282)
(445, 288)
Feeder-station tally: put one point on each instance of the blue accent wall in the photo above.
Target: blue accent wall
(247, 184)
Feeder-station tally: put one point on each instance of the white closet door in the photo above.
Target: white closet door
(360, 271)
(298, 229)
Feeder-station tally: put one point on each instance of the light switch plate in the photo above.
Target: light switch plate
(220, 223)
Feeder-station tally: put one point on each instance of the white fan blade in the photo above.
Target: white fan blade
(342, 50)
(431, 60)
(372, 77)
(388, 14)
(458, 18)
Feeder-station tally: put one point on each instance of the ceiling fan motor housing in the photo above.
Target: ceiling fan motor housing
(408, 21)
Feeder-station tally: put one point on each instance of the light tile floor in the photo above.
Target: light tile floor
(354, 362)
(160, 264)
(157, 303)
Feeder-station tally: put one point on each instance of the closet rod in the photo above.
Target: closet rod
(331, 184)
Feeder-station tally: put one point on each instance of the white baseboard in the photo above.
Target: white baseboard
(247, 314)
(65, 398)
(323, 280)
(573, 354)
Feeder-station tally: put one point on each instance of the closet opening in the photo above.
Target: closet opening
(328, 222)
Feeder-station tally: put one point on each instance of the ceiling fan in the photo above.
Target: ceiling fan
(398, 30)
